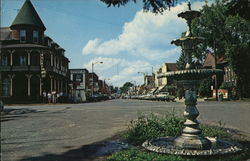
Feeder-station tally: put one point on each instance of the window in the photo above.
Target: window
(6, 87)
(35, 36)
(4, 60)
(22, 35)
(23, 60)
(49, 43)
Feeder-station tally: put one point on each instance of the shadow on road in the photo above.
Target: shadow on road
(13, 114)
(85, 153)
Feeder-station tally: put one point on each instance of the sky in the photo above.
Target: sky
(126, 39)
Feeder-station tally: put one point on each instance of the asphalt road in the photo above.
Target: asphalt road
(44, 130)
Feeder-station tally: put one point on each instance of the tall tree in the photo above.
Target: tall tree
(228, 37)
(125, 87)
(211, 26)
(238, 51)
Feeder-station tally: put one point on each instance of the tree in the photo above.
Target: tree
(205, 88)
(211, 26)
(181, 62)
(227, 36)
(238, 51)
(180, 92)
(125, 87)
(156, 6)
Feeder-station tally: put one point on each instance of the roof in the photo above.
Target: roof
(5, 33)
(28, 16)
(171, 66)
(210, 60)
(23, 46)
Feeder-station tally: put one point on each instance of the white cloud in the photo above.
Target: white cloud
(146, 39)
(147, 35)
(128, 69)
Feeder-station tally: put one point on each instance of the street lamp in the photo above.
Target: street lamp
(93, 63)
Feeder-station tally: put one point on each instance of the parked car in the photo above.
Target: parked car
(164, 96)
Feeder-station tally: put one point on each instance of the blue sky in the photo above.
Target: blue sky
(126, 39)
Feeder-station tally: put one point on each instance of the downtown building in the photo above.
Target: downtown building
(31, 63)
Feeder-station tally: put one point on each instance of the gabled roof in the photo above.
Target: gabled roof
(210, 60)
(28, 16)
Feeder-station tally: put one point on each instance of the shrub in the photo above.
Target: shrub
(205, 88)
(149, 127)
(152, 126)
(180, 92)
(214, 131)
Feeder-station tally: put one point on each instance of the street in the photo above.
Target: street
(36, 130)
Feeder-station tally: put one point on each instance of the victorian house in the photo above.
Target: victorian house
(31, 63)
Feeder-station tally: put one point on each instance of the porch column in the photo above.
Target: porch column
(55, 86)
(28, 52)
(58, 85)
(11, 56)
(61, 90)
(51, 83)
(11, 76)
(66, 87)
(40, 84)
(51, 59)
(28, 77)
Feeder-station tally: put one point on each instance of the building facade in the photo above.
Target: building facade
(160, 83)
(228, 76)
(31, 63)
(79, 84)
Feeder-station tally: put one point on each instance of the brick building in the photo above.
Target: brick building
(30, 61)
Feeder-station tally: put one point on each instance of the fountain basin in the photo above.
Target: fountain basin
(166, 145)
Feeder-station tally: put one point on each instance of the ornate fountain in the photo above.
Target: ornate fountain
(190, 142)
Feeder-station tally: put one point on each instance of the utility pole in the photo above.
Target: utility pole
(215, 66)
(92, 89)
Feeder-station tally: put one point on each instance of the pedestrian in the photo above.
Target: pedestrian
(44, 97)
(53, 97)
(58, 98)
(49, 97)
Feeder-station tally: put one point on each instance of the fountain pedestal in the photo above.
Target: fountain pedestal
(191, 141)
(191, 134)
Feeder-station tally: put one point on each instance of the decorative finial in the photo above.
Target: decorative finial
(189, 5)
(206, 2)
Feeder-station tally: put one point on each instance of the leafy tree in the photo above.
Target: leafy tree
(211, 26)
(113, 89)
(156, 6)
(180, 92)
(125, 87)
(228, 37)
(238, 51)
(181, 62)
(205, 88)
